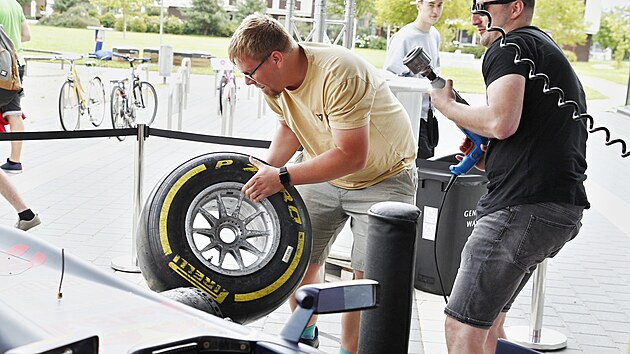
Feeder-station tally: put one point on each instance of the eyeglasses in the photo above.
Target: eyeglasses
(251, 75)
(482, 6)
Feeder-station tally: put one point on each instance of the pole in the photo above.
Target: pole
(161, 20)
(348, 38)
(535, 336)
(628, 92)
(288, 20)
(161, 31)
(320, 21)
(130, 264)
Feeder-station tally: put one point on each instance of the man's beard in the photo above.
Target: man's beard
(488, 38)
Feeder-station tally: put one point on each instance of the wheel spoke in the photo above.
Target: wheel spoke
(210, 246)
(250, 248)
(221, 207)
(252, 217)
(257, 233)
(209, 217)
(205, 232)
(239, 259)
(239, 203)
(222, 253)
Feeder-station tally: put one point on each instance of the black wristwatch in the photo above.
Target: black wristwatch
(285, 179)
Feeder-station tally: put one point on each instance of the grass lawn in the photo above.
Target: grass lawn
(607, 70)
(82, 41)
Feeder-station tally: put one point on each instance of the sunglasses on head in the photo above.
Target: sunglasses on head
(483, 6)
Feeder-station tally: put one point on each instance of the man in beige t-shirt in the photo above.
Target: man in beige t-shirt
(357, 140)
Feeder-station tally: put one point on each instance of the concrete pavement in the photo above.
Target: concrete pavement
(82, 190)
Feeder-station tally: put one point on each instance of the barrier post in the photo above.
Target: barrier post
(169, 113)
(390, 248)
(187, 65)
(130, 264)
(145, 68)
(535, 336)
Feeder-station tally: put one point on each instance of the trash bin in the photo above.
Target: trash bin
(456, 221)
(165, 60)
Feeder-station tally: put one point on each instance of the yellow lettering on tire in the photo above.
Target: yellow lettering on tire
(222, 163)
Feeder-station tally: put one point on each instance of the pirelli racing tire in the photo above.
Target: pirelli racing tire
(197, 229)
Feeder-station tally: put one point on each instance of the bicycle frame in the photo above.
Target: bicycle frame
(73, 76)
(128, 98)
(135, 90)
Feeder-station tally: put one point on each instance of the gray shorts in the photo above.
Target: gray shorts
(329, 207)
(502, 252)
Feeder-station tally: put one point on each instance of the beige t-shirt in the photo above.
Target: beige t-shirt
(343, 91)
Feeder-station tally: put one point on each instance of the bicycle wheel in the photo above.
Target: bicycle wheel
(96, 101)
(145, 102)
(69, 110)
(117, 106)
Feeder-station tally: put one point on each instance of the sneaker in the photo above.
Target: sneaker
(25, 225)
(312, 342)
(11, 167)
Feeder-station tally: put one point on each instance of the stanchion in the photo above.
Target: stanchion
(390, 254)
(535, 336)
(125, 263)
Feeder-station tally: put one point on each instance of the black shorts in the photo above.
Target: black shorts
(10, 100)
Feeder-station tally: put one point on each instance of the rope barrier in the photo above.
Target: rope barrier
(148, 131)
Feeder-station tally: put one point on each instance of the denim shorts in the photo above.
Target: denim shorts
(502, 252)
(329, 207)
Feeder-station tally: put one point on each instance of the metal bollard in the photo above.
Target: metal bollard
(187, 67)
(390, 253)
(174, 99)
(535, 336)
(130, 264)
(262, 105)
(145, 68)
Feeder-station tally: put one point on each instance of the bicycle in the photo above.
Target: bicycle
(72, 99)
(227, 93)
(142, 106)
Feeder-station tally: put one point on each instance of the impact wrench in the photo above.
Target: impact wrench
(419, 62)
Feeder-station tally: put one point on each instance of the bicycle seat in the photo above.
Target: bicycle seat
(90, 63)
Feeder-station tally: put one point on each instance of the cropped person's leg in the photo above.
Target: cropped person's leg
(16, 124)
(327, 219)
(12, 113)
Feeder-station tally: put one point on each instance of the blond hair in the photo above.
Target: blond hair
(257, 36)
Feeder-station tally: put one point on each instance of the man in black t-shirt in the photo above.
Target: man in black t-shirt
(535, 162)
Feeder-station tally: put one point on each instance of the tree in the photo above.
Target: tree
(125, 6)
(361, 8)
(614, 32)
(65, 5)
(563, 20)
(207, 17)
(249, 7)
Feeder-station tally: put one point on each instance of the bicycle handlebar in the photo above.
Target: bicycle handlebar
(67, 58)
(131, 59)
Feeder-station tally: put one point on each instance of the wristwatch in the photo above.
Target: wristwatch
(285, 179)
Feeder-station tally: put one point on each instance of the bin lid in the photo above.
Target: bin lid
(439, 170)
